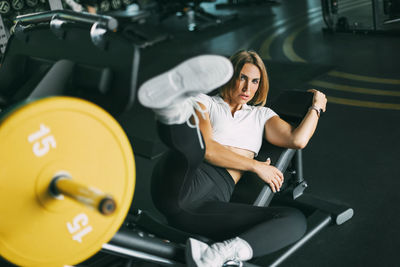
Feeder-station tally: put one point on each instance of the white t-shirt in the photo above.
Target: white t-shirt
(243, 130)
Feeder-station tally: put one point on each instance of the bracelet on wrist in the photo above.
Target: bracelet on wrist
(317, 109)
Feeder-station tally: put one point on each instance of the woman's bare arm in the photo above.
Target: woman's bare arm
(281, 133)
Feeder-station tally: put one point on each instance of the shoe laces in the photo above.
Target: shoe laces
(202, 111)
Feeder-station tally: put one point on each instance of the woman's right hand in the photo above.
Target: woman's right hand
(319, 99)
(269, 174)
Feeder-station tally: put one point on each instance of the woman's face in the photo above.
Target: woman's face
(247, 84)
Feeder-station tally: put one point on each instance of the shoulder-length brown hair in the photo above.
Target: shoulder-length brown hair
(238, 60)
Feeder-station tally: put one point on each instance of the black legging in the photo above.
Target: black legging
(194, 197)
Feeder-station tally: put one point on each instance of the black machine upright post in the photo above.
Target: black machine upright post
(375, 15)
(299, 166)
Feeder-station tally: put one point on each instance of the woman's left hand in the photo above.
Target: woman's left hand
(319, 99)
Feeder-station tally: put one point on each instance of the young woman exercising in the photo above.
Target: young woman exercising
(193, 183)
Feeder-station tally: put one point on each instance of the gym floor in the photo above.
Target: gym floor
(352, 158)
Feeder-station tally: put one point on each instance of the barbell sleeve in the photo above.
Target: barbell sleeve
(84, 194)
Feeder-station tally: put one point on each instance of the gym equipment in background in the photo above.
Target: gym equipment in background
(384, 17)
(392, 9)
(49, 55)
(9, 10)
(197, 18)
(246, 3)
(4, 31)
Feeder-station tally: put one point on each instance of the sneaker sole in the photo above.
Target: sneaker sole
(200, 74)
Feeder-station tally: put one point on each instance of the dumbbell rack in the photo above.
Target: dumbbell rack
(4, 35)
(336, 24)
(9, 11)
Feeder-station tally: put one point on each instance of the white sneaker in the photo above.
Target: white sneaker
(200, 74)
(199, 254)
(194, 253)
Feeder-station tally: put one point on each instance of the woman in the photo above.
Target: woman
(195, 180)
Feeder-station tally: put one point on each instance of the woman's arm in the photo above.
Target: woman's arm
(280, 133)
(221, 156)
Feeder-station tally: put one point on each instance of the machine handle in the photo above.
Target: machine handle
(106, 22)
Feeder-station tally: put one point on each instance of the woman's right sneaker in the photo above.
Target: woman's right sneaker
(171, 94)
(200, 74)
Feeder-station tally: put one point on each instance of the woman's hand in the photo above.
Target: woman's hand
(319, 99)
(269, 174)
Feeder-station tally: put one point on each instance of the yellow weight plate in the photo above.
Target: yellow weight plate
(60, 135)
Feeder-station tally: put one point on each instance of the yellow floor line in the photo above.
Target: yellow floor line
(288, 48)
(288, 43)
(353, 89)
(280, 28)
(277, 25)
(265, 46)
(356, 77)
(359, 103)
(264, 50)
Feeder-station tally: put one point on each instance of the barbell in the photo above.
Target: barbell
(67, 178)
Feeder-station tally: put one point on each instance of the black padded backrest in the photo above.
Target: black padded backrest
(292, 106)
(104, 75)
